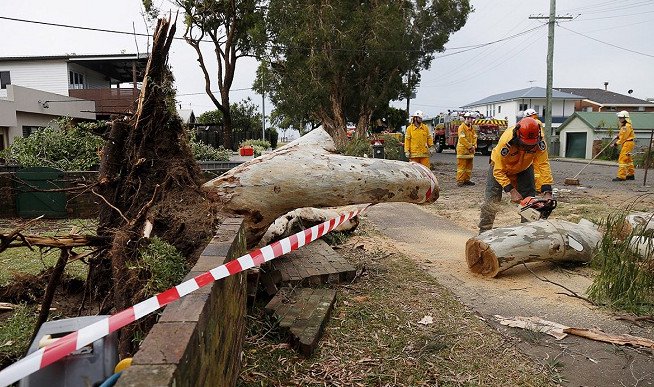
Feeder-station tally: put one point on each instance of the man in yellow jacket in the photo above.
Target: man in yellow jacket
(465, 151)
(418, 140)
(625, 138)
(538, 182)
(519, 152)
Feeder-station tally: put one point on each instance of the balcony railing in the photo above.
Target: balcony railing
(108, 101)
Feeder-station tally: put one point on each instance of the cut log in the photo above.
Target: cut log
(308, 173)
(642, 246)
(302, 218)
(494, 251)
(644, 221)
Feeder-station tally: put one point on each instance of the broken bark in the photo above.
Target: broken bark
(499, 249)
(560, 331)
(59, 242)
(303, 218)
(308, 173)
(624, 339)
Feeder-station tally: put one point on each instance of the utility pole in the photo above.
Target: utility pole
(263, 108)
(408, 94)
(550, 69)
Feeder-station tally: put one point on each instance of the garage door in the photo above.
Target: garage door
(575, 145)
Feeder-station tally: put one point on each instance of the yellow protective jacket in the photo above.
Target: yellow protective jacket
(509, 160)
(626, 133)
(417, 140)
(467, 138)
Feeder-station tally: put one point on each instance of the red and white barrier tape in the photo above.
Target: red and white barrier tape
(87, 335)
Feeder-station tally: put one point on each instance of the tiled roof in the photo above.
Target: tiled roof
(531, 92)
(605, 97)
(609, 120)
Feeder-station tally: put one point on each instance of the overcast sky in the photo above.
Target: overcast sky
(617, 48)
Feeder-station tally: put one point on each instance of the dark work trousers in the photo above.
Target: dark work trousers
(493, 195)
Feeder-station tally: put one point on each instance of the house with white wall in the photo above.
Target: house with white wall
(511, 105)
(35, 90)
(583, 134)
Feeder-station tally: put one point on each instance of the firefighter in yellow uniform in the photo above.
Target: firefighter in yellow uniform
(625, 138)
(465, 151)
(519, 152)
(537, 173)
(418, 140)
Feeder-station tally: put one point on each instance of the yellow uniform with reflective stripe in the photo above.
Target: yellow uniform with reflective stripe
(626, 138)
(417, 141)
(467, 139)
(538, 182)
(509, 160)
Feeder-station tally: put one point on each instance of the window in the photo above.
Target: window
(522, 107)
(5, 79)
(641, 108)
(499, 109)
(75, 80)
(28, 130)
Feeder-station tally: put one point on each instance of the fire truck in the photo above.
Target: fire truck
(446, 128)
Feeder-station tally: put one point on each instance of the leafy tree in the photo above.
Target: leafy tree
(233, 27)
(69, 146)
(395, 118)
(338, 61)
(210, 117)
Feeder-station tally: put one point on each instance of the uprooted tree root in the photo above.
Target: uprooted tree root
(147, 174)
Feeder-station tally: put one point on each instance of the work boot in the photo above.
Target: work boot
(617, 179)
(631, 177)
(468, 183)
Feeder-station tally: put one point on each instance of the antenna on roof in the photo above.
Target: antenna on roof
(630, 91)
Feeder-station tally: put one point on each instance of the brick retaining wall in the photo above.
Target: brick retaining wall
(198, 340)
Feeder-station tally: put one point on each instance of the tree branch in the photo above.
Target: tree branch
(572, 292)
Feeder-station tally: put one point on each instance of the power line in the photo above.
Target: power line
(213, 91)
(608, 44)
(616, 16)
(462, 49)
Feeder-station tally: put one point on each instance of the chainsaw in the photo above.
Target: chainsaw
(533, 209)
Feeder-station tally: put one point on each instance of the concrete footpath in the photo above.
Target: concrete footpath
(438, 246)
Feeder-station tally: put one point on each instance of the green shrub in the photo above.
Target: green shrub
(260, 143)
(626, 279)
(393, 148)
(644, 159)
(71, 148)
(610, 153)
(205, 152)
(273, 136)
(162, 265)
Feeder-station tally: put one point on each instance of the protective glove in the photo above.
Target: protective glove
(407, 154)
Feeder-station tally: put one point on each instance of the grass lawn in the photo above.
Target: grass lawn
(16, 326)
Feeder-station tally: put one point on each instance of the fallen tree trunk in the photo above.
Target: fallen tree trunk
(545, 240)
(308, 173)
(303, 218)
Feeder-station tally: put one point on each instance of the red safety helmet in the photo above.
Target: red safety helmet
(528, 131)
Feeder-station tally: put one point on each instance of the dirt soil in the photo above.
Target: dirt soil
(434, 236)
